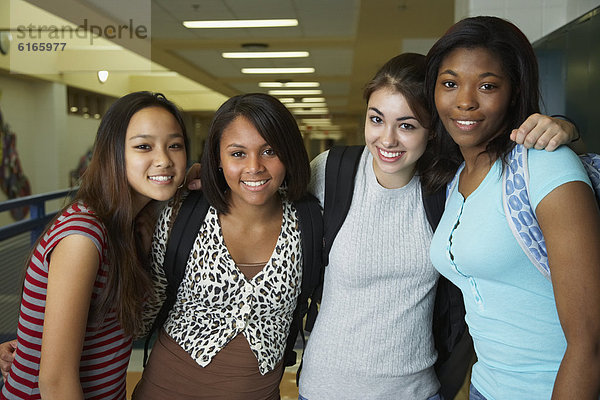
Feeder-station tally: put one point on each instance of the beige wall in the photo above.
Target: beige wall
(49, 142)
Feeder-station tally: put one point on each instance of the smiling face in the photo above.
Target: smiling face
(472, 95)
(394, 136)
(155, 156)
(250, 166)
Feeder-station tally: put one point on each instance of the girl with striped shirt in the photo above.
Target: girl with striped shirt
(84, 286)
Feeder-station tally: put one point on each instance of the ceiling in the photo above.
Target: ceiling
(348, 40)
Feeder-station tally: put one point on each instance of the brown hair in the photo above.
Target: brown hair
(405, 74)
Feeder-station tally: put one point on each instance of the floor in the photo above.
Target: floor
(288, 388)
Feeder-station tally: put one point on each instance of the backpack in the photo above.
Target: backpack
(519, 212)
(452, 341)
(183, 234)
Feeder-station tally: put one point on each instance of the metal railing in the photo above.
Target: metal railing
(16, 241)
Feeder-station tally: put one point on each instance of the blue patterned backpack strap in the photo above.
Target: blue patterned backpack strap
(519, 213)
(591, 162)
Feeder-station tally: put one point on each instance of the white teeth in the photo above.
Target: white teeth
(160, 178)
(467, 122)
(255, 183)
(390, 154)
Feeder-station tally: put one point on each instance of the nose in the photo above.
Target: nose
(254, 164)
(466, 100)
(389, 138)
(162, 159)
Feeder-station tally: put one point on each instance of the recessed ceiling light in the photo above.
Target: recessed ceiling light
(289, 84)
(298, 92)
(241, 23)
(265, 54)
(308, 70)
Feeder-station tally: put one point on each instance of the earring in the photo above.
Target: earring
(220, 169)
(182, 184)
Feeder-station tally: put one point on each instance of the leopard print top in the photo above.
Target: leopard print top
(215, 301)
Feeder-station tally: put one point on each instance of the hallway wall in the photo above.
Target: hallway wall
(49, 142)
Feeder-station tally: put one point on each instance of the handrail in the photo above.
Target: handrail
(37, 213)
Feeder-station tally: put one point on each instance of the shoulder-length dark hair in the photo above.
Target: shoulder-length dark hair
(104, 188)
(276, 125)
(513, 50)
(405, 74)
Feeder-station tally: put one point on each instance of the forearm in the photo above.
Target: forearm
(579, 373)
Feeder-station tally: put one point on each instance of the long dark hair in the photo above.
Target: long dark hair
(513, 50)
(105, 190)
(405, 74)
(276, 125)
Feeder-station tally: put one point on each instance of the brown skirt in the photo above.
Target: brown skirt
(231, 375)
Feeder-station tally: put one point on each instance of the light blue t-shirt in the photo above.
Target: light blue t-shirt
(510, 306)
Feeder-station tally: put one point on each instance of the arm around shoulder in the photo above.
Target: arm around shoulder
(72, 272)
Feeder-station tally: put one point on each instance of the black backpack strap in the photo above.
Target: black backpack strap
(434, 204)
(310, 222)
(340, 170)
(181, 240)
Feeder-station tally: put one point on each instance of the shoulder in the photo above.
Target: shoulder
(548, 170)
(78, 219)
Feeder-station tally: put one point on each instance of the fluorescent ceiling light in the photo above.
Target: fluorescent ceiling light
(313, 99)
(319, 128)
(241, 23)
(265, 54)
(316, 121)
(286, 100)
(305, 105)
(298, 92)
(312, 111)
(288, 84)
(308, 70)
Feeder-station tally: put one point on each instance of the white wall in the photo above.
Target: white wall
(48, 141)
(536, 18)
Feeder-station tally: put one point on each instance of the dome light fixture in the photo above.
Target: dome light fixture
(102, 76)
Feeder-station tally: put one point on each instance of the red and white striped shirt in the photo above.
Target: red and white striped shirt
(106, 348)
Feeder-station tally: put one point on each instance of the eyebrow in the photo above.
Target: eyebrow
(484, 75)
(374, 109)
(146, 136)
(241, 146)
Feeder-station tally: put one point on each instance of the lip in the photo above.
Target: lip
(465, 124)
(161, 179)
(255, 185)
(390, 156)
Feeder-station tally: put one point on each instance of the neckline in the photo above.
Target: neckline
(231, 262)
(374, 183)
(484, 182)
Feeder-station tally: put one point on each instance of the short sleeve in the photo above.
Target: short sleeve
(549, 170)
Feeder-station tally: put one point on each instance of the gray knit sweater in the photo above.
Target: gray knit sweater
(372, 338)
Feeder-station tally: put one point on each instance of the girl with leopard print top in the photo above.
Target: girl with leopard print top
(225, 336)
